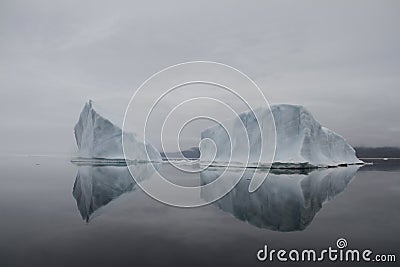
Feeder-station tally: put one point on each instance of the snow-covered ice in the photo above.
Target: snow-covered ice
(300, 140)
(101, 138)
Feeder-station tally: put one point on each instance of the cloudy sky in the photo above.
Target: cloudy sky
(340, 59)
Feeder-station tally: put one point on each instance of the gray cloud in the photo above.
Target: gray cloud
(340, 59)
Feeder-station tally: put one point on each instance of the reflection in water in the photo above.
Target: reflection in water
(96, 185)
(285, 201)
(288, 200)
(386, 165)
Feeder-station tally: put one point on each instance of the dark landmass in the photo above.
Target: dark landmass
(362, 152)
(378, 152)
(191, 153)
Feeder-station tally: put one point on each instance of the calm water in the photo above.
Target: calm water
(54, 213)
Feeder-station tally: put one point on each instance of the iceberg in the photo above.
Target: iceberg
(98, 137)
(287, 201)
(301, 141)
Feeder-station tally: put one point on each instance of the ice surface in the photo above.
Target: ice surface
(286, 201)
(300, 140)
(99, 137)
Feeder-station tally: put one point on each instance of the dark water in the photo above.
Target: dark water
(54, 213)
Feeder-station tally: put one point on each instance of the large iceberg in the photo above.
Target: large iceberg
(98, 137)
(300, 140)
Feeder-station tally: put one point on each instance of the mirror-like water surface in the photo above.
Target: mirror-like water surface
(55, 213)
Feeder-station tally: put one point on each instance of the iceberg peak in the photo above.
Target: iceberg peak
(98, 137)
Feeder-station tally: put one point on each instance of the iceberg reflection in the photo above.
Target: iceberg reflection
(286, 201)
(97, 185)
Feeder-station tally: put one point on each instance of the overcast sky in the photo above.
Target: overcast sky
(340, 59)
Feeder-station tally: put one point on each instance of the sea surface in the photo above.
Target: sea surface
(56, 213)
